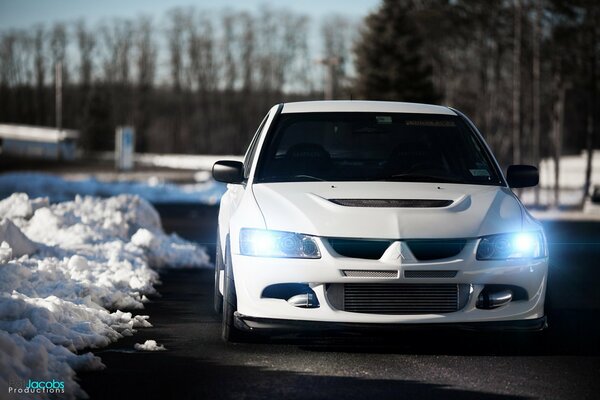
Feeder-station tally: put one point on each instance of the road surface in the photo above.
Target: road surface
(563, 364)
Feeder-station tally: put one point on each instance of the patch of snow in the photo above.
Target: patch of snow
(572, 171)
(567, 197)
(571, 179)
(561, 215)
(57, 189)
(202, 162)
(149, 345)
(66, 272)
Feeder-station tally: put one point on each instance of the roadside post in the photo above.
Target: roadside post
(124, 148)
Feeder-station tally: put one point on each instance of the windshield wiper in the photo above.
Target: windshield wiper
(410, 177)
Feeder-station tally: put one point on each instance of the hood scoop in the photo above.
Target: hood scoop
(392, 203)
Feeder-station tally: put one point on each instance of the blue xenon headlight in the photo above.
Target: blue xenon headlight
(266, 243)
(512, 245)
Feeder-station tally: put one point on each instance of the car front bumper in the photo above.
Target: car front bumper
(253, 274)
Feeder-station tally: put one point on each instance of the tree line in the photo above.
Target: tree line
(526, 71)
(199, 82)
(190, 82)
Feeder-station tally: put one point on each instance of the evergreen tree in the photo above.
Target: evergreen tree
(389, 63)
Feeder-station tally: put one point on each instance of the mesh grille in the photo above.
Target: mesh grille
(392, 203)
(429, 274)
(360, 273)
(398, 299)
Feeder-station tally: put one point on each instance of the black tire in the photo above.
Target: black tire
(217, 296)
(229, 333)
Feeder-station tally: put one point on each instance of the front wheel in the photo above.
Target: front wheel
(229, 333)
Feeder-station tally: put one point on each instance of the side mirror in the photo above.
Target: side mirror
(521, 176)
(228, 171)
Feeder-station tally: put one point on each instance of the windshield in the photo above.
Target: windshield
(374, 146)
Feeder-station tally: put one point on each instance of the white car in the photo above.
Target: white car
(379, 215)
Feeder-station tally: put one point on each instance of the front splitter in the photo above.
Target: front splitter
(272, 325)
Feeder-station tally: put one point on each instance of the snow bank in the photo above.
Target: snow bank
(149, 345)
(66, 271)
(59, 189)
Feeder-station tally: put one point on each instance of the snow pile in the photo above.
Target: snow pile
(154, 190)
(65, 269)
(149, 345)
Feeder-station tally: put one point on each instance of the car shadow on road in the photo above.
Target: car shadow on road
(571, 333)
(178, 377)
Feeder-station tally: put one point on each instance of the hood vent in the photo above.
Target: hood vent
(392, 203)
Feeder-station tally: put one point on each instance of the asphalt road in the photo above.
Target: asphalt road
(564, 363)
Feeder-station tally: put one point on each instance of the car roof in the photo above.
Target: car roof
(364, 106)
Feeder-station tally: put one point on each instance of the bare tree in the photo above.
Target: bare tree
(86, 43)
(593, 38)
(558, 117)
(247, 51)
(203, 72)
(176, 44)
(536, 92)
(117, 44)
(39, 45)
(146, 53)
(516, 108)
(229, 47)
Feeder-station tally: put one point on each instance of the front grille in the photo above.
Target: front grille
(435, 249)
(392, 203)
(398, 298)
(360, 248)
(365, 273)
(429, 274)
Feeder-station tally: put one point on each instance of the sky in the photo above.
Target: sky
(26, 13)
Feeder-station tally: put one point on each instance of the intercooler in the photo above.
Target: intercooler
(398, 298)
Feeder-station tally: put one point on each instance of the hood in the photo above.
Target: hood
(306, 207)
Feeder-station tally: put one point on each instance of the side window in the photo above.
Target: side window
(249, 158)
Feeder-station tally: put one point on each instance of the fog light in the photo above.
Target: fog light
(487, 300)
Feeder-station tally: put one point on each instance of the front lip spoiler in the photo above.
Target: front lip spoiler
(272, 325)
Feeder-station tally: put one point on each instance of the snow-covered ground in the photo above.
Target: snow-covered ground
(56, 188)
(67, 271)
(200, 162)
(571, 180)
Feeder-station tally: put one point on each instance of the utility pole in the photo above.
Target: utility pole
(330, 64)
(58, 98)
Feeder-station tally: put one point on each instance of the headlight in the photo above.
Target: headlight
(265, 243)
(512, 245)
